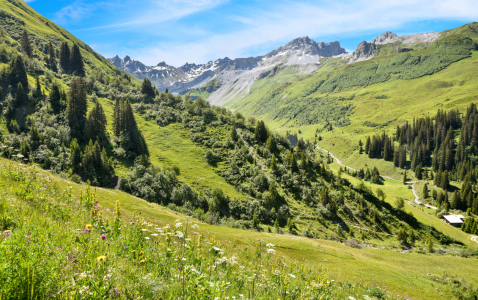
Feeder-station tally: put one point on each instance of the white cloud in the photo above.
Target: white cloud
(289, 20)
(75, 12)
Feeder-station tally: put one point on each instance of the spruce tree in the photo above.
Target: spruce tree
(273, 165)
(52, 58)
(75, 155)
(38, 93)
(95, 127)
(367, 145)
(125, 125)
(271, 144)
(55, 98)
(425, 191)
(18, 73)
(260, 133)
(77, 106)
(147, 88)
(65, 57)
(21, 96)
(25, 44)
(233, 133)
(76, 60)
(404, 177)
(445, 181)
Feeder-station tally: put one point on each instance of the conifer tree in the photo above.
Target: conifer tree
(273, 164)
(77, 106)
(360, 147)
(52, 58)
(147, 88)
(55, 98)
(445, 181)
(405, 177)
(233, 133)
(271, 144)
(425, 191)
(260, 133)
(18, 73)
(76, 60)
(95, 127)
(38, 93)
(21, 97)
(125, 125)
(25, 44)
(403, 157)
(367, 145)
(75, 155)
(65, 57)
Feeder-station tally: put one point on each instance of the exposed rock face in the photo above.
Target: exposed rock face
(364, 51)
(301, 51)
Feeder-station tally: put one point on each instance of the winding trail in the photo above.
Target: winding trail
(474, 238)
(410, 183)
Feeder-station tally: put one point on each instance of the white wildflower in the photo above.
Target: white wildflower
(179, 234)
(146, 237)
(216, 248)
(270, 245)
(154, 234)
(144, 229)
(292, 275)
(271, 251)
(179, 225)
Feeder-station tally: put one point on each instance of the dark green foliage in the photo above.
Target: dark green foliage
(425, 191)
(65, 57)
(125, 127)
(470, 226)
(76, 60)
(38, 92)
(402, 236)
(260, 133)
(233, 133)
(25, 44)
(147, 88)
(55, 98)
(95, 127)
(77, 106)
(96, 164)
(52, 58)
(18, 73)
(75, 156)
(21, 97)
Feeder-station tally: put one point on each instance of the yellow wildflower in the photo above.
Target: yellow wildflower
(141, 261)
(89, 226)
(101, 258)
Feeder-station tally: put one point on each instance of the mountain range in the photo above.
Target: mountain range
(237, 76)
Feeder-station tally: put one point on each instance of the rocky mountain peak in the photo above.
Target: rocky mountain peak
(161, 64)
(387, 37)
(364, 51)
(127, 59)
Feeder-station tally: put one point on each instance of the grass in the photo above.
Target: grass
(410, 274)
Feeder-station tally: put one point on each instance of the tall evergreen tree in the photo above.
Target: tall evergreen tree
(65, 57)
(76, 60)
(233, 133)
(444, 181)
(125, 125)
(95, 127)
(77, 106)
(273, 165)
(260, 132)
(25, 44)
(75, 155)
(55, 98)
(147, 88)
(18, 73)
(425, 191)
(52, 58)
(21, 97)
(38, 93)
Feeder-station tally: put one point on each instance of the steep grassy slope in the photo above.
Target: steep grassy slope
(63, 210)
(203, 91)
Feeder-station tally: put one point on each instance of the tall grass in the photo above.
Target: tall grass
(57, 244)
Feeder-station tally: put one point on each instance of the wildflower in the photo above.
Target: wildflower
(142, 261)
(179, 225)
(86, 230)
(146, 237)
(292, 275)
(144, 229)
(271, 251)
(89, 226)
(103, 236)
(101, 258)
(270, 245)
(154, 234)
(179, 234)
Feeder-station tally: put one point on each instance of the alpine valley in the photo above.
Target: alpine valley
(306, 173)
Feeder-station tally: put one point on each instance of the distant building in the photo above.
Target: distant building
(453, 220)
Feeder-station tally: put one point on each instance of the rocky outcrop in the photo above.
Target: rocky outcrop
(364, 51)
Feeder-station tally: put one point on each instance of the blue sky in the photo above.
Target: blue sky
(197, 31)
